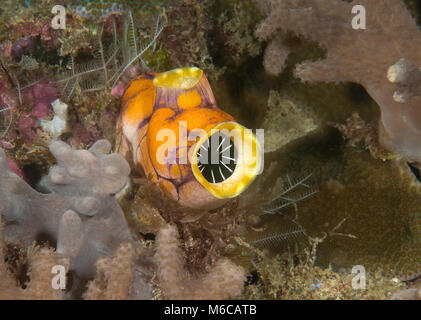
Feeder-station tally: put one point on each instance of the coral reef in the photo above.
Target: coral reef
(224, 281)
(80, 213)
(367, 191)
(360, 56)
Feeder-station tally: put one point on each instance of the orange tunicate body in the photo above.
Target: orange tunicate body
(152, 105)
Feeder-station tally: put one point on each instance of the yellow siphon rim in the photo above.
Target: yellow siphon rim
(248, 165)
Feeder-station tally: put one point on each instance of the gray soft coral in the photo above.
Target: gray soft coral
(81, 213)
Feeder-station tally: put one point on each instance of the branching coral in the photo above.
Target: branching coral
(40, 262)
(276, 54)
(115, 278)
(81, 213)
(119, 277)
(362, 56)
(224, 281)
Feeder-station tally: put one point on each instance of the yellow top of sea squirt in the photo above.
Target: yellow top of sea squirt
(181, 78)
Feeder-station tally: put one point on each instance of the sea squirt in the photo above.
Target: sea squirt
(196, 152)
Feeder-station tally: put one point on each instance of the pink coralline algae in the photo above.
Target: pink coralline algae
(118, 90)
(82, 135)
(355, 55)
(39, 96)
(28, 127)
(43, 92)
(41, 110)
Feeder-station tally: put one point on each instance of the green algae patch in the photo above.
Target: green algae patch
(380, 201)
